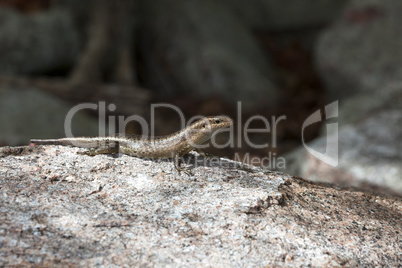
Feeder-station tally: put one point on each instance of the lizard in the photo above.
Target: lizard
(171, 146)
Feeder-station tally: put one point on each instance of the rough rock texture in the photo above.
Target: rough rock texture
(370, 155)
(62, 208)
(50, 42)
(200, 48)
(29, 113)
(362, 50)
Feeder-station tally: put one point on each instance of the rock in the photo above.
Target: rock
(29, 113)
(200, 48)
(370, 155)
(295, 15)
(358, 57)
(38, 43)
(60, 208)
(362, 50)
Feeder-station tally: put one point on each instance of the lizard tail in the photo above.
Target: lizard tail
(77, 142)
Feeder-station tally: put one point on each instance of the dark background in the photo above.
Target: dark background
(203, 56)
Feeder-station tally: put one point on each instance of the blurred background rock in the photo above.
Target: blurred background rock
(204, 56)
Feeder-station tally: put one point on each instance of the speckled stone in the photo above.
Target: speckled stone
(60, 208)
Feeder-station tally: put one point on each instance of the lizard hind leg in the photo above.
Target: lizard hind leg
(104, 148)
(96, 151)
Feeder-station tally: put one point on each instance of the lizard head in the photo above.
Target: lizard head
(203, 129)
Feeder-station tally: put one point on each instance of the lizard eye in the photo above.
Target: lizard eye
(217, 121)
(203, 126)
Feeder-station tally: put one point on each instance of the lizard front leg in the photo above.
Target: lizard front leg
(177, 163)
